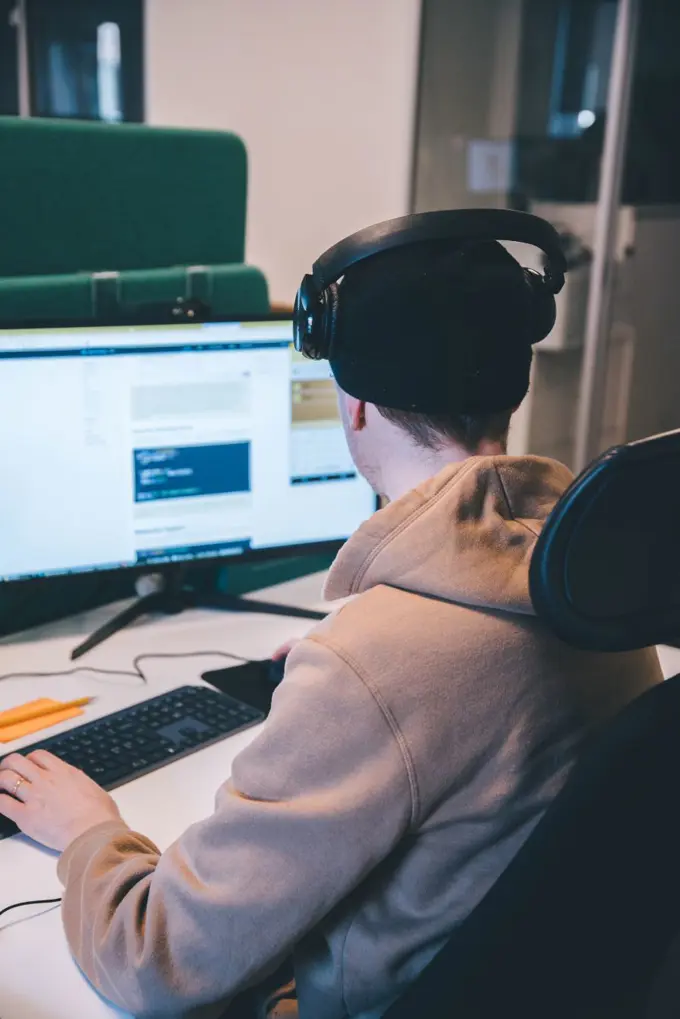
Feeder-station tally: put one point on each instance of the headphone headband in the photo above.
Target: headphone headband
(318, 298)
(458, 224)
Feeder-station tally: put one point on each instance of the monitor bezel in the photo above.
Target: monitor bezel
(327, 547)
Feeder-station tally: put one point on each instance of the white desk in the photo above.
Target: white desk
(38, 978)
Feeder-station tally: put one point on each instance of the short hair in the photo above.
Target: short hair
(432, 431)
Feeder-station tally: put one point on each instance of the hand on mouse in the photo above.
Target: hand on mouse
(285, 649)
(50, 801)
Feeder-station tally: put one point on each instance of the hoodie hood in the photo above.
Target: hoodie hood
(466, 535)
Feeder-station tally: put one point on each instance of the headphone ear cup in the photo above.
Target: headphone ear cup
(309, 317)
(330, 317)
(544, 309)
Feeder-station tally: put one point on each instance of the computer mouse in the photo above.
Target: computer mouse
(277, 667)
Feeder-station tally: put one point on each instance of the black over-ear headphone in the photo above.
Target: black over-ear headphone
(317, 299)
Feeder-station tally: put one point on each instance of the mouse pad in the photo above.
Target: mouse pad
(250, 683)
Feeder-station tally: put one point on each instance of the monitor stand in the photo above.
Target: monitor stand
(171, 596)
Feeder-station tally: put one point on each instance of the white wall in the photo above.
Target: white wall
(323, 94)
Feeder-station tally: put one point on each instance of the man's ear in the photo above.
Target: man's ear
(356, 413)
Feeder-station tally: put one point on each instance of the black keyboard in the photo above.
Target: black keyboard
(117, 748)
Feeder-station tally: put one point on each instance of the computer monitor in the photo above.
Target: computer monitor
(140, 446)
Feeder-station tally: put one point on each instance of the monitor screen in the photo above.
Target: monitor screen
(123, 446)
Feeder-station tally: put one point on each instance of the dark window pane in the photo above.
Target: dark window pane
(86, 59)
(9, 93)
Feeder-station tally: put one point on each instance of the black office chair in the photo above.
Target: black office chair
(582, 923)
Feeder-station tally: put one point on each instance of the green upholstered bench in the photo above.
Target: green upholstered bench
(164, 208)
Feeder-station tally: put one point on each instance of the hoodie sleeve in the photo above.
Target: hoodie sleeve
(320, 797)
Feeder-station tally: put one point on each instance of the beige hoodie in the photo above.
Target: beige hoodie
(415, 741)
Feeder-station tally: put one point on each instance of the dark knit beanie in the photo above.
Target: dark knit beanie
(435, 329)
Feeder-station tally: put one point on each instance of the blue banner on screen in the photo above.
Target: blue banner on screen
(181, 472)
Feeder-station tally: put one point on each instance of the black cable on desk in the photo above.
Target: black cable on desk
(136, 674)
(31, 902)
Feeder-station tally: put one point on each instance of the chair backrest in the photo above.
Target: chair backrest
(583, 918)
(605, 574)
(78, 196)
(578, 924)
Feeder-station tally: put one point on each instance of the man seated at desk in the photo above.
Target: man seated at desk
(419, 732)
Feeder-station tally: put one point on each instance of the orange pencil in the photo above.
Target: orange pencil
(27, 712)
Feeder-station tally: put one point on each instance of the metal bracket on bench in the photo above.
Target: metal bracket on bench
(105, 295)
(108, 306)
